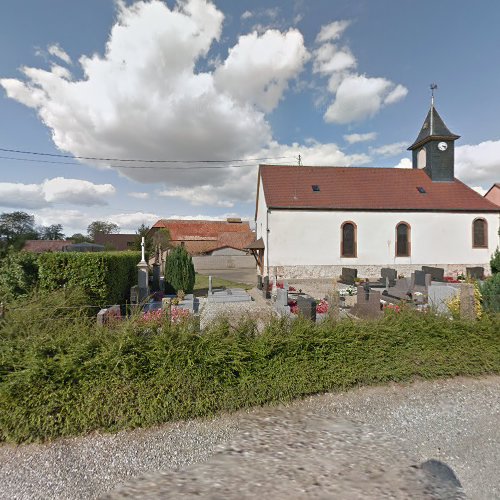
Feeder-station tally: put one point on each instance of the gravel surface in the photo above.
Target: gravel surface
(364, 438)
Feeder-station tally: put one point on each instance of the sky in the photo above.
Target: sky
(198, 93)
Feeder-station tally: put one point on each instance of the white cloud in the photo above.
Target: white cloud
(76, 191)
(399, 92)
(144, 97)
(56, 190)
(328, 59)
(355, 138)
(404, 163)
(478, 164)
(357, 97)
(258, 67)
(332, 31)
(139, 195)
(56, 51)
(18, 195)
(480, 190)
(129, 222)
(246, 15)
(394, 149)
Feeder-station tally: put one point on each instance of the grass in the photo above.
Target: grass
(201, 284)
(60, 375)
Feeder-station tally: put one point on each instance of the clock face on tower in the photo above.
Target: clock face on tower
(442, 146)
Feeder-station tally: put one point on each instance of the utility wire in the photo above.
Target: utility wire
(160, 167)
(137, 160)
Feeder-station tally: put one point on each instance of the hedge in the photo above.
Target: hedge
(106, 277)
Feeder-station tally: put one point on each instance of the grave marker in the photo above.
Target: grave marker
(437, 273)
(475, 273)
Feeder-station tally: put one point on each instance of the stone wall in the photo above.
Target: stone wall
(318, 272)
(208, 262)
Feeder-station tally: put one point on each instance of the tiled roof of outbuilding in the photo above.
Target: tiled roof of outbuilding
(202, 236)
(358, 188)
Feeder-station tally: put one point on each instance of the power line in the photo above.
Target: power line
(162, 167)
(137, 159)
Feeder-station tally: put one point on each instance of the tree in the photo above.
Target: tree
(162, 238)
(142, 231)
(179, 270)
(99, 226)
(52, 232)
(79, 238)
(16, 228)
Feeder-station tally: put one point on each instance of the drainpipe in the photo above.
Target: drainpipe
(267, 240)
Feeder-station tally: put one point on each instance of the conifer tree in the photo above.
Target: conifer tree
(179, 270)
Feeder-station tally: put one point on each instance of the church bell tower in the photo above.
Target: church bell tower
(434, 148)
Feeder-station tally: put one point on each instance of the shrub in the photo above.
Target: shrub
(179, 270)
(495, 262)
(105, 277)
(18, 274)
(491, 293)
(61, 375)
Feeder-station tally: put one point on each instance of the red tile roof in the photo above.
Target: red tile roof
(358, 188)
(40, 246)
(202, 236)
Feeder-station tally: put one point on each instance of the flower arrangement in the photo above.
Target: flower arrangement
(280, 284)
(178, 315)
(350, 290)
(450, 279)
(392, 308)
(153, 318)
(322, 307)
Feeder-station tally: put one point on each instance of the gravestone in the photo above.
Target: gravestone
(134, 294)
(307, 307)
(156, 278)
(387, 273)
(348, 275)
(475, 273)
(210, 291)
(102, 317)
(265, 288)
(440, 295)
(437, 273)
(418, 278)
(259, 282)
(368, 304)
(467, 309)
(333, 301)
(108, 315)
(281, 304)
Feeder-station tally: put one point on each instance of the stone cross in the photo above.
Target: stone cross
(210, 285)
(143, 259)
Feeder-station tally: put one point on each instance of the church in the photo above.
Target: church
(313, 221)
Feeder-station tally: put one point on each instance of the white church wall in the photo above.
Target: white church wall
(307, 243)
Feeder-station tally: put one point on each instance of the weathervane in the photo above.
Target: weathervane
(433, 88)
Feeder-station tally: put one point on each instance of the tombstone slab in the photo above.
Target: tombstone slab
(307, 307)
(475, 273)
(348, 275)
(437, 273)
(440, 295)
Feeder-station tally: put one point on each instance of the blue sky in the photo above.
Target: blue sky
(342, 82)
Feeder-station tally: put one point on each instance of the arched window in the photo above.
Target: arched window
(403, 240)
(421, 158)
(479, 234)
(348, 244)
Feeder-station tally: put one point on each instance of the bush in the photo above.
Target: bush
(105, 277)
(60, 375)
(491, 293)
(495, 262)
(179, 270)
(18, 274)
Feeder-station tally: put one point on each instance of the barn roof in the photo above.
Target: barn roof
(202, 236)
(357, 188)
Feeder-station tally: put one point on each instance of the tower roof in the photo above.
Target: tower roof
(433, 128)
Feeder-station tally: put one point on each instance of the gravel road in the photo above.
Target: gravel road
(362, 444)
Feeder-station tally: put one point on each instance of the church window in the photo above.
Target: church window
(403, 240)
(479, 233)
(421, 158)
(348, 245)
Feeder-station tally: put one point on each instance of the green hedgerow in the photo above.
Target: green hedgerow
(179, 270)
(61, 375)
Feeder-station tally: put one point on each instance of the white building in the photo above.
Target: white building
(312, 221)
